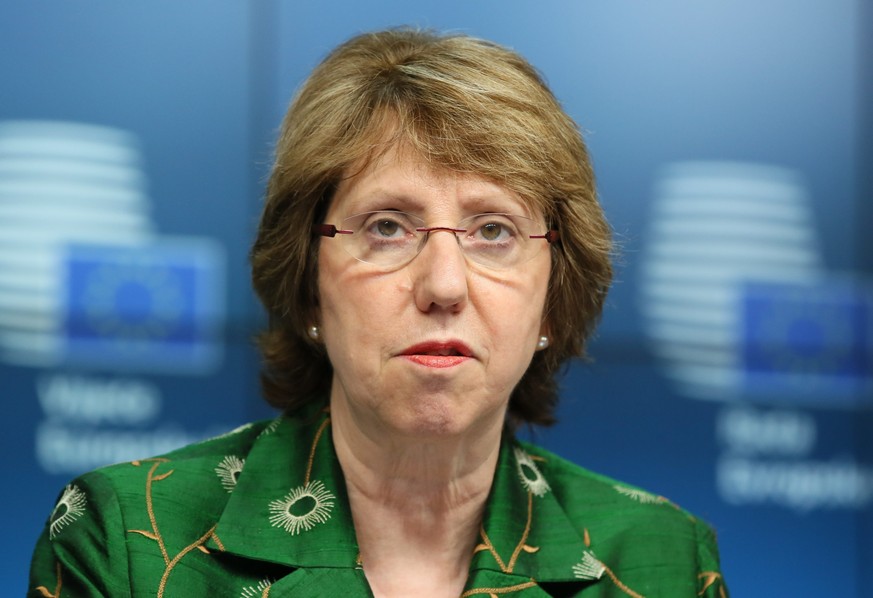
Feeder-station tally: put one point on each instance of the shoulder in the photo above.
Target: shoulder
(585, 493)
(238, 440)
(196, 480)
(211, 457)
(88, 535)
(641, 536)
(202, 472)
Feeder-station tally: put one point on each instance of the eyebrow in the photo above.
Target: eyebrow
(386, 199)
(383, 199)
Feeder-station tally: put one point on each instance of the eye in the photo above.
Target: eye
(388, 225)
(492, 231)
(492, 228)
(386, 228)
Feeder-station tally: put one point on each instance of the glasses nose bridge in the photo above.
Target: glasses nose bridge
(437, 229)
(426, 231)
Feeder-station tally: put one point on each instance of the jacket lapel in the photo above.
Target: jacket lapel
(526, 534)
(290, 505)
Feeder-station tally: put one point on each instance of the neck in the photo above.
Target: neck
(417, 504)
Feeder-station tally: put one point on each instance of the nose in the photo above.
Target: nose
(440, 273)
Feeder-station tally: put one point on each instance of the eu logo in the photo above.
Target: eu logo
(807, 342)
(156, 306)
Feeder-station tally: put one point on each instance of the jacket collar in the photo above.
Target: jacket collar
(525, 531)
(290, 507)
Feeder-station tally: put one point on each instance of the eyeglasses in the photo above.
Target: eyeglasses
(391, 239)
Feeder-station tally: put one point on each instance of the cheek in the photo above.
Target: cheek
(514, 308)
(337, 290)
(355, 312)
(512, 326)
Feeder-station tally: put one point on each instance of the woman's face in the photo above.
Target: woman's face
(435, 347)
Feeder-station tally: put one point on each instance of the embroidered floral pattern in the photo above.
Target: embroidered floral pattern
(258, 591)
(70, 507)
(45, 592)
(589, 567)
(521, 546)
(712, 580)
(640, 495)
(303, 508)
(155, 535)
(529, 474)
(236, 430)
(534, 484)
(271, 427)
(494, 592)
(228, 471)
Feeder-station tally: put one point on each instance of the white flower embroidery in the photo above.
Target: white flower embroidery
(530, 476)
(236, 430)
(302, 508)
(70, 507)
(271, 427)
(589, 567)
(639, 495)
(256, 591)
(228, 471)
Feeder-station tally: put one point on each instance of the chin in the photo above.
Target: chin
(433, 423)
(435, 420)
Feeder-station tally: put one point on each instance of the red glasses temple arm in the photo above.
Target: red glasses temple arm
(550, 236)
(329, 230)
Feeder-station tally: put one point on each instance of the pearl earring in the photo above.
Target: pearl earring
(314, 333)
(543, 343)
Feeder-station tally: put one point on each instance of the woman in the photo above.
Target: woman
(430, 252)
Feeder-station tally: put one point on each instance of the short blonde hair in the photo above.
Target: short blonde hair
(464, 104)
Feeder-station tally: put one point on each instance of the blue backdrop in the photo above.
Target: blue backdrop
(732, 371)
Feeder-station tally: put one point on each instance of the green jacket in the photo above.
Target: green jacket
(263, 511)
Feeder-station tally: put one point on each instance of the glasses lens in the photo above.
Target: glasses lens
(498, 240)
(384, 239)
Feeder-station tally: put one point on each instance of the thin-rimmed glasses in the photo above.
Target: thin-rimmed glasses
(390, 239)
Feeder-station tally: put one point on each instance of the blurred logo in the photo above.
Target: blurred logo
(736, 300)
(155, 304)
(806, 343)
(84, 279)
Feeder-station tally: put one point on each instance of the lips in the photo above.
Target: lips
(439, 348)
(438, 354)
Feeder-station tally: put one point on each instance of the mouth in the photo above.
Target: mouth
(439, 349)
(438, 354)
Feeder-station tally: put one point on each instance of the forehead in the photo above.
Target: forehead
(402, 179)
